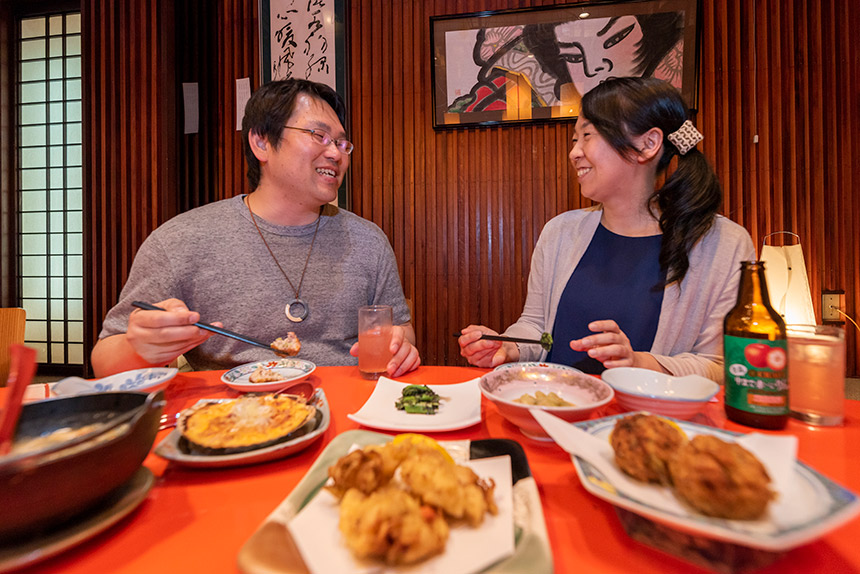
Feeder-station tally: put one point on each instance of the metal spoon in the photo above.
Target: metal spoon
(168, 421)
(301, 389)
(219, 330)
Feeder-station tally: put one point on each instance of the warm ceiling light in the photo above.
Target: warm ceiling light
(584, 15)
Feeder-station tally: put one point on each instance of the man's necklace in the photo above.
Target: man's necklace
(296, 310)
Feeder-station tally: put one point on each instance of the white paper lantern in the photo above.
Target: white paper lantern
(787, 281)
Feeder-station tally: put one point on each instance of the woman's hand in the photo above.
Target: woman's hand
(483, 353)
(611, 347)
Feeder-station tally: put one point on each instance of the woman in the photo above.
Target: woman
(645, 278)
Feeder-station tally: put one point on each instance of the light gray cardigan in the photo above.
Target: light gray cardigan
(690, 329)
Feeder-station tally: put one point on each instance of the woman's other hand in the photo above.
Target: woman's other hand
(611, 347)
(483, 353)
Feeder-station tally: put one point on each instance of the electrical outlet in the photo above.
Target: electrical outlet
(830, 301)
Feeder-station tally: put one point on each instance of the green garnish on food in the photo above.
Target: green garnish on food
(546, 341)
(418, 399)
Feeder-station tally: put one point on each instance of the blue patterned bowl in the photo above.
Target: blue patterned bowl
(140, 380)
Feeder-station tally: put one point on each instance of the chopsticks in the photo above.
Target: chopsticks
(214, 329)
(507, 339)
(21, 371)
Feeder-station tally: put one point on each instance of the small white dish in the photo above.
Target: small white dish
(459, 408)
(808, 504)
(171, 448)
(658, 393)
(292, 370)
(511, 381)
(139, 380)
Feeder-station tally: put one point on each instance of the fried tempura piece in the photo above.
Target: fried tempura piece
(263, 375)
(455, 489)
(391, 524)
(361, 469)
(643, 445)
(289, 345)
(721, 479)
(373, 466)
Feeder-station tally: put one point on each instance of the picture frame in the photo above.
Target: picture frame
(534, 65)
(306, 39)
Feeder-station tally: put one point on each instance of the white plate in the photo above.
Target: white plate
(812, 506)
(459, 408)
(320, 542)
(169, 447)
(140, 380)
(292, 370)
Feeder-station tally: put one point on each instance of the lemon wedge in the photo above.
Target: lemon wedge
(422, 440)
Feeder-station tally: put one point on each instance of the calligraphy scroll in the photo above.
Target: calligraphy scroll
(304, 40)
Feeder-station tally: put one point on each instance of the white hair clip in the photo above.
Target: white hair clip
(686, 137)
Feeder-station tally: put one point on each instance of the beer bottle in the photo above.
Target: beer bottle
(756, 359)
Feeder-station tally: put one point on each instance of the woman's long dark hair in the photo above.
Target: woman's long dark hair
(623, 108)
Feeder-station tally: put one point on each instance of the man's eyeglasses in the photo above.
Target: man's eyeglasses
(324, 139)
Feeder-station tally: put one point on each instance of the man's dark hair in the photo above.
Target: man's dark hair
(268, 110)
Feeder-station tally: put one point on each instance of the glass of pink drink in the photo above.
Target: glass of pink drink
(816, 374)
(374, 340)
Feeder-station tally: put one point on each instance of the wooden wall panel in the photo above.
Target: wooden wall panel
(129, 142)
(463, 208)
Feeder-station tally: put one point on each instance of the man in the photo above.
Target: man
(279, 259)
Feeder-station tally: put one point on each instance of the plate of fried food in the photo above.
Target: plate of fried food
(216, 433)
(397, 406)
(265, 376)
(747, 490)
(373, 503)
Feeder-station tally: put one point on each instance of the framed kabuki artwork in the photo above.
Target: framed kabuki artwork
(536, 64)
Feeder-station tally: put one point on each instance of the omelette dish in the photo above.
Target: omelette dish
(245, 423)
(398, 500)
(721, 479)
(643, 446)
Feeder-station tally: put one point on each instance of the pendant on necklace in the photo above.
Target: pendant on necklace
(296, 310)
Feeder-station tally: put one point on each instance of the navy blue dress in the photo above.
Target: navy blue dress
(617, 278)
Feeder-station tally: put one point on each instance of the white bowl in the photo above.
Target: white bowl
(511, 381)
(659, 393)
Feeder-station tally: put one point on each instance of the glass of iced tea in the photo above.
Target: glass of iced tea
(374, 340)
(816, 374)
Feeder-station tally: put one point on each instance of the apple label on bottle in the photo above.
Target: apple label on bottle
(756, 375)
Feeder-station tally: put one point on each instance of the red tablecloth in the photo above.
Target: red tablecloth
(197, 520)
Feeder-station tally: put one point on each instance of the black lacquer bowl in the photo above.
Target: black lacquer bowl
(43, 488)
